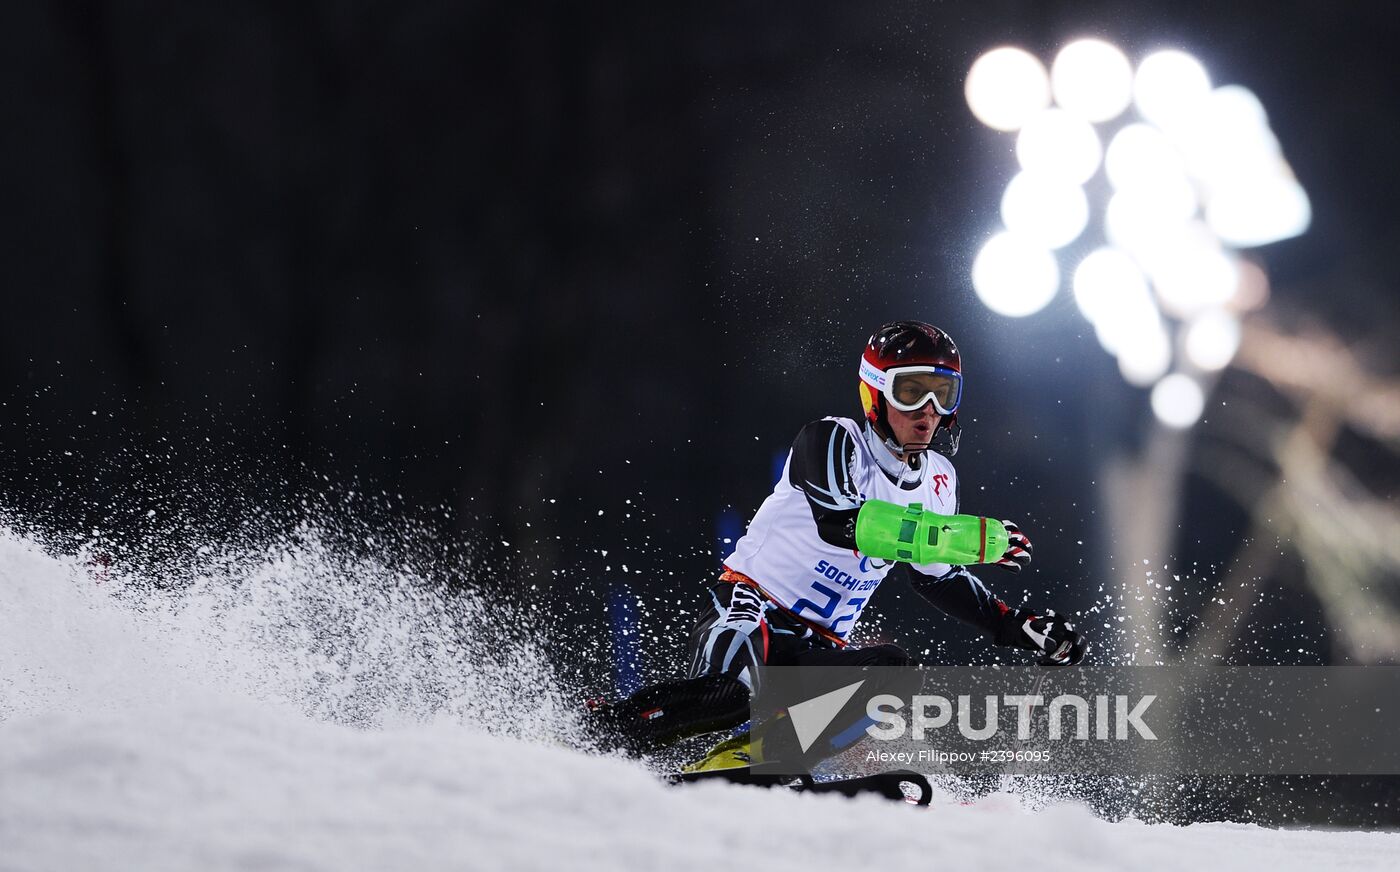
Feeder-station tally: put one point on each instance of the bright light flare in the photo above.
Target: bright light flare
(1147, 358)
(1141, 220)
(1045, 208)
(1225, 135)
(1014, 276)
(1260, 210)
(1113, 294)
(1191, 271)
(1178, 401)
(1056, 142)
(1239, 104)
(1168, 85)
(1212, 339)
(1202, 175)
(1251, 196)
(1139, 156)
(1093, 79)
(1105, 281)
(1005, 87)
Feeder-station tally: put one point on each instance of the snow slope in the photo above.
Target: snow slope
(274, 716)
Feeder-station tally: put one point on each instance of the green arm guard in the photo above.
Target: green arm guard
(909, 533)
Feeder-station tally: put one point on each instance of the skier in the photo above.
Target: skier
(795, 586)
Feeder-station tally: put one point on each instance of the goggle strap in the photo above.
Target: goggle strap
(872, 376)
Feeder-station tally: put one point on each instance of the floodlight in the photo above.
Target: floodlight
(1131, 321)
(1005, 87)
(1139, 156)
(1057, 142)
(1197, 176)
(1167, 86)
(1113, 294)
(1142, 220)
(1045, 208)
(1144, 360)
(1178, 401)
(1190, 270)
(1104, 278)
(1093, 79)
(1257, 210)
(1014, 275)
(1212, 338)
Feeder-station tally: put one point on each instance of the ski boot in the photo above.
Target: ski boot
(662, 714)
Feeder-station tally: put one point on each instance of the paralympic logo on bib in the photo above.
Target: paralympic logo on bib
(871, 563)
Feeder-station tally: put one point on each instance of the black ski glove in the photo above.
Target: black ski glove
(1018, 549)
(1050, 635)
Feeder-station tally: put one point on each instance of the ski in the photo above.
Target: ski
(890, 785)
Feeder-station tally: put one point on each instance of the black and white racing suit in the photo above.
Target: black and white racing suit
(795, 585)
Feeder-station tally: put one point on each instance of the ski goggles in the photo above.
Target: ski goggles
(909, 388)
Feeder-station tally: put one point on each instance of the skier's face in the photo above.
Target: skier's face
(914, 429)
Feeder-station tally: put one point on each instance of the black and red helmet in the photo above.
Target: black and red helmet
(908, 364)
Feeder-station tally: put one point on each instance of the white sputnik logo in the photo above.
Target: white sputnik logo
(811, 717)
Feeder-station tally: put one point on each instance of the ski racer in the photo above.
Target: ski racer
(796, 583)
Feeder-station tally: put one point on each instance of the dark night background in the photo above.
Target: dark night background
(543, 270)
